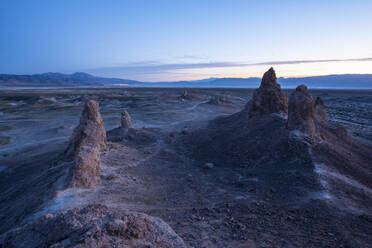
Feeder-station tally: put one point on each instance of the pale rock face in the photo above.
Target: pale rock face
(305, 114)
(89, 132)
(268, 98)
(86, 169)
(126, 120)
(93, 226)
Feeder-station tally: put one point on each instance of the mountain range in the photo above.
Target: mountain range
(54, 79)
(81, 79)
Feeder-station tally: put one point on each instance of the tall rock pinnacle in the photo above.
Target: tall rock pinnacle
(305, 114)
(126, 120)
(86, 170)
(320, 110)
(89, 132)
(268, 98)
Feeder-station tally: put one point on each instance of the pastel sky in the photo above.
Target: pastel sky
(166, 40)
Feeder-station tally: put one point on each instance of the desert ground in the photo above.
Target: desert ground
(219, 179)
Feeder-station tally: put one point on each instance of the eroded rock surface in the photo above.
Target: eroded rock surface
(126, 120)
(301, 111)
(94, 226)
(305, 114)
(268, 98)
(185, 93)
(89, 132)
(219, 101)
(189, 96)
(132, 136)
(320, 110)
(86, 169)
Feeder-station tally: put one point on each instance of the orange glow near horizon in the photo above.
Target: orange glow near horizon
(288, 70)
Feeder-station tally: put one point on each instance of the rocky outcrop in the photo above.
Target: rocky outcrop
(305, 114)
(126, 120)
(89, 132)
(87, 141)
(130, 135)
(185, 94)
(93, 226)
(219, 101)
(86, 169)
(188, 96)
(320, 111)
(268, 98)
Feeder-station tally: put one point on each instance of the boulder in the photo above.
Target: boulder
(93, 226)
(126, 120)
(268, 98)
(89, 132)
(86, 169)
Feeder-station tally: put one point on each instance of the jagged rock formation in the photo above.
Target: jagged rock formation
(268, 98)
(86, 143)
(89, 132)
(188, 96)
(219, 101)
(268, 144)
(305, 114)
(301, 111)
(320, 110)
(86, 169)
(126, 120)
(127, 133)
(93, 226)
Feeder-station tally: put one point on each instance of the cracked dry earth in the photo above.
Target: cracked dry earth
(223, 206)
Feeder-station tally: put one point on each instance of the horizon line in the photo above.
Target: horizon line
(206, 78)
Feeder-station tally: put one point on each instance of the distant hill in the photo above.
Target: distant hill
(350, 81)
(251, 82)
(80, 79)
(59, 79)
(345, 81)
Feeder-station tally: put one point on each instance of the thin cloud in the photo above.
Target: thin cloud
(290, 62)
(156, 67)
(160, 68)
(192, 57)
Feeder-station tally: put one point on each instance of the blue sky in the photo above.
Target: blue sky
(177, 40)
